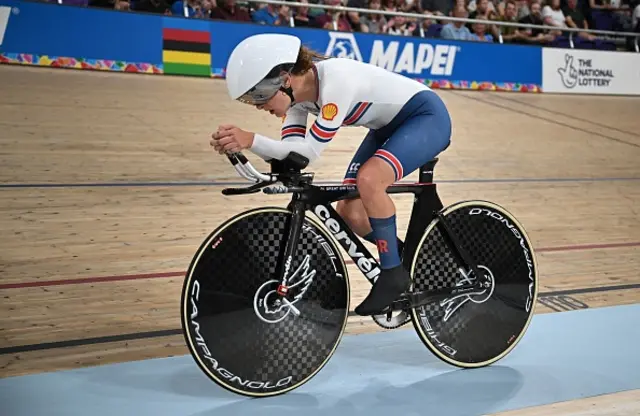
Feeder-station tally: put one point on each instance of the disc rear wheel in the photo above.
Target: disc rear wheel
(479, 328)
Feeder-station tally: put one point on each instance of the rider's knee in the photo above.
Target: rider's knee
(349, 211)
(342, 208)
(371, 178)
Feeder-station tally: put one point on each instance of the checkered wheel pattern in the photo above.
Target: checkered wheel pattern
(264, 347)
(476, 330)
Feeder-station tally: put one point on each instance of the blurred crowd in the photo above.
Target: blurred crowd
(613, 15)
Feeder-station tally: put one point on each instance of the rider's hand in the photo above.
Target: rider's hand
(231, 139)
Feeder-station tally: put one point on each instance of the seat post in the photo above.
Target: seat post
(426, 171)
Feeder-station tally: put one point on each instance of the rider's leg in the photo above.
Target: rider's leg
(352, 211)
(416, 140)
(354, 214)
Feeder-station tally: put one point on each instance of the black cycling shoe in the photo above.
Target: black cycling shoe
(388, 287)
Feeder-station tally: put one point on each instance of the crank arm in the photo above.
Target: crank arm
(415, 299)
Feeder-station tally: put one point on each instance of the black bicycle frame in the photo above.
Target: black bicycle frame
(426, 206)
(318, 199)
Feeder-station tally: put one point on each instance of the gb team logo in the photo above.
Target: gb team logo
(343, 45)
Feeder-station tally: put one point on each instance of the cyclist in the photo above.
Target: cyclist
(408, 126)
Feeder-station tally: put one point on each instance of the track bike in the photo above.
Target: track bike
(266, 297)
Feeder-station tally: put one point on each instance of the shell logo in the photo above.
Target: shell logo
(329, 111)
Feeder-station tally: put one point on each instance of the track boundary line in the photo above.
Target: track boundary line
(127, 277)
(214, 183)
(570, 116)
(550, 120)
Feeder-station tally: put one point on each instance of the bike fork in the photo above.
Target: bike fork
(295, 228)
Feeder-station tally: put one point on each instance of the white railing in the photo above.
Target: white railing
(424, 16)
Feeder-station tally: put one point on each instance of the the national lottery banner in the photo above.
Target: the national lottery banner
(590, 72)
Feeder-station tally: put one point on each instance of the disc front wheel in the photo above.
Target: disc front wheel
(242, 334)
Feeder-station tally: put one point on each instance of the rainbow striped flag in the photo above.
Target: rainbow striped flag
(186, 52)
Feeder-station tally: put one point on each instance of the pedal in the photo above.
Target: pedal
(401, 304)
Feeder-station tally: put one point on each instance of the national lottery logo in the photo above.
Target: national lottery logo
(584, 73)
(343, 45)
(568, 72)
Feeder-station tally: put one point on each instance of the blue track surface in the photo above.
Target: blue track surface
(563, 356)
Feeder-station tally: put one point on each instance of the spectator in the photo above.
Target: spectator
(552, 16)
(534, 18)
(575, 19)
(509, 33)
(122, 5)
(600, 4)
(622, 15)
(229, 10)
(482, 12)
(354, 21)
(523, 8)
(456, 30)
(389, 6)
(410, 6)
(153, 6)
(302, 18)
(481, 7)
(636, 19)
(400, 26)
(500, 8)
(429, 28)
(608, 14)
(207, 7)
(440, 7)
(326, 20)
(373, 23)
(188, 8)
(271, 15)
(479, 33)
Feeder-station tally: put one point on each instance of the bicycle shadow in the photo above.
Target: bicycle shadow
(454, 393)
(175, 375)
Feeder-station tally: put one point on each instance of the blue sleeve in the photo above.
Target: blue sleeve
(259, 16)
(446, 33)
(177, 8)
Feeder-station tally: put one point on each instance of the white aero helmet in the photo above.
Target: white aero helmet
(253, 69)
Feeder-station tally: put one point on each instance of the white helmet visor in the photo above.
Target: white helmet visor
(263, 92)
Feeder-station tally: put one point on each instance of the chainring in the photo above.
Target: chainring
(395, 321)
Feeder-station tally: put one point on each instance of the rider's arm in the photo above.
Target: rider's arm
(337, 100)
(294, 127)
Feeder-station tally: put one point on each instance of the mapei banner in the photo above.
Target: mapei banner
(590, 72)
(440, 63)
(55, 35)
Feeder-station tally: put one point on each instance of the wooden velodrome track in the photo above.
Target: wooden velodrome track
(95, 240)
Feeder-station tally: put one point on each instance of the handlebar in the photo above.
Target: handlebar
(246, 169)
(262, 180)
